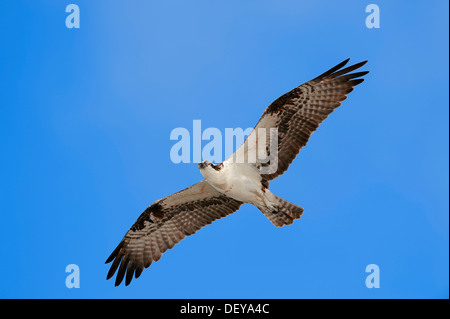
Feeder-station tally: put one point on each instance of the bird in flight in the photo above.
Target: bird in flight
(226, 186)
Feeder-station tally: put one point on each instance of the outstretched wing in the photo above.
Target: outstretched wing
(164, 224)
(296, 115)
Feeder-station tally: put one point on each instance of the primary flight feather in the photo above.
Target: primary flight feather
(226, 186)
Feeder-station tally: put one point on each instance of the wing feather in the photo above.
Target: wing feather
(164, 224)
(298, 113)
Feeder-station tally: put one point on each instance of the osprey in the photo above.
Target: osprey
(228, 185)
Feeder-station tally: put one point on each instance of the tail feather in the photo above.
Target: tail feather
(282, 213)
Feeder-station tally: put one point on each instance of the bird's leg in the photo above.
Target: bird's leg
(264, 201)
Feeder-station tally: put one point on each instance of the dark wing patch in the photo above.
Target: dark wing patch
(164, 224)
(298, 113)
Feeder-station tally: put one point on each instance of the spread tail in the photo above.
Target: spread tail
(281, 211)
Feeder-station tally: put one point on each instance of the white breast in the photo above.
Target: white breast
(239, 181)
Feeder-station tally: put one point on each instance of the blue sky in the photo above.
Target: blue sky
(86, 116)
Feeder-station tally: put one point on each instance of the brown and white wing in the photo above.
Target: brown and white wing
(298, 113)
(164, 224)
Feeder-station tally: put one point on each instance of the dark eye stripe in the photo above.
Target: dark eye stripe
(216, 167)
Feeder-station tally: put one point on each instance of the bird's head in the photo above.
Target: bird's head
(204, 164)
(206, 167)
